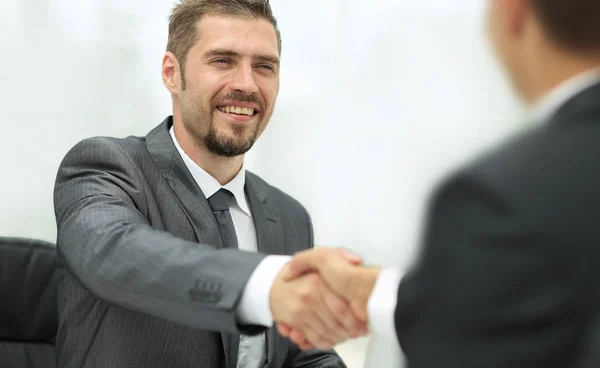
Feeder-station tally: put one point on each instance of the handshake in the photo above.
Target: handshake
(319, 298)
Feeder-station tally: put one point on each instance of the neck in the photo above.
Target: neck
(223, 169)
(550, 69)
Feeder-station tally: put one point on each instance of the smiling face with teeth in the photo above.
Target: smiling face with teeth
(231, 84)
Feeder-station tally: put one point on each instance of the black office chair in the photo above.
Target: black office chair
(28, 315)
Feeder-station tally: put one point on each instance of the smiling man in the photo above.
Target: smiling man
(170, 253)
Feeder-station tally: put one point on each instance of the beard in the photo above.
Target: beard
(199, 121)
(222, 145)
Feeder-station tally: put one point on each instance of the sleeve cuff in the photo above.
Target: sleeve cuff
(382, 303)
(255, 306)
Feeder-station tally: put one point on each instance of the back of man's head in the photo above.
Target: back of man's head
(542, 43)
(574, 25)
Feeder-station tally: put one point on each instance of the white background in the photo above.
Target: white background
(378, 99)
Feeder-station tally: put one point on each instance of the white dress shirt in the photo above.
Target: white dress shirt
(555, 99)
(382, 302)
(254, 307)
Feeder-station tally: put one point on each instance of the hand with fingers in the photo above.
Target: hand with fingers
(309, 313)
(345, 288)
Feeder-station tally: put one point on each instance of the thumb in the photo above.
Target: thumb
(350, 257)
(304, 262)
(297, 267)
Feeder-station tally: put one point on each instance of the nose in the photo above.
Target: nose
(243, 80)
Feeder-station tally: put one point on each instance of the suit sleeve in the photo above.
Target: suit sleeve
(297, 358)
(489, 290)
(109, 246)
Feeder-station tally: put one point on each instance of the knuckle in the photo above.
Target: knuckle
(307, 296)
(311, 337)
(297, 337)
(319, 342)
(325, 345)
(339, 308)
(349, 321)
(296, 320)
(296, 313)
(313, 280)
(342, 332)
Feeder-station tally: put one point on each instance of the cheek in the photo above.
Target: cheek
(204, 87)
(270, 97)
(269, 88)
(197, 98)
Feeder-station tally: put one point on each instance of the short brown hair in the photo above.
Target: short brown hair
(185, 16)
(572, 24)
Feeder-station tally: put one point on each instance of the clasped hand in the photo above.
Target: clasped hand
(319, 299)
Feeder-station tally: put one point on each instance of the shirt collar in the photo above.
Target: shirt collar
(555, 99)
(210, 185)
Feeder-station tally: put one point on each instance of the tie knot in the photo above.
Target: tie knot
(220, 200)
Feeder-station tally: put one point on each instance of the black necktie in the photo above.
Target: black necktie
(219, 202)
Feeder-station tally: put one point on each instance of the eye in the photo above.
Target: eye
(222, 61)
(267, 67)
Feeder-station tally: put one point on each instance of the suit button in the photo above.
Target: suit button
(213, 298)
(200, 296)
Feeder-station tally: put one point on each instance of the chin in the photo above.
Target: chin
(236, 138)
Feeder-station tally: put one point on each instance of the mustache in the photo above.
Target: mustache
(240, 97)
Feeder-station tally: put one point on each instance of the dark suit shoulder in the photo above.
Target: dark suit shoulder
(549, 173)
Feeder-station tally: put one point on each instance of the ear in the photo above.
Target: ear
(518, 14)
(171, 75)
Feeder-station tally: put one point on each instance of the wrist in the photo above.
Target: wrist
(364, 282)
(275, 292)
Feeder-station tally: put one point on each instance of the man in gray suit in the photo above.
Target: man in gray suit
(170, 253)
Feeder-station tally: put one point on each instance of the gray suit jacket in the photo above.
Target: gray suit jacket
(143, 279)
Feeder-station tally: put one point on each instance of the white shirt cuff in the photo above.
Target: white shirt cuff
(381, 305)
(255, 306)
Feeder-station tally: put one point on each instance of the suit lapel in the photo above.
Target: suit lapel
(269, 233)
(269, 237)
(190, 197)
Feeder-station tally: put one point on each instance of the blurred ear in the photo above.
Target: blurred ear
(517, 14)
(171, 75)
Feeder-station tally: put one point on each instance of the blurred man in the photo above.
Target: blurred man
(162, 240)
(511, 257)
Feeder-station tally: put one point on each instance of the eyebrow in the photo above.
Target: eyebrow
(231, 53)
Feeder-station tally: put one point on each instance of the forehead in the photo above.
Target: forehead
(245, 35)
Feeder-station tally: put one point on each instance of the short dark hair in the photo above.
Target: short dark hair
(572, 24)
(185, 16)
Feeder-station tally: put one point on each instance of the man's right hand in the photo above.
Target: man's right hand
(306, 305)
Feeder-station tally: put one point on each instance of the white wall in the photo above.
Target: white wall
(378, 99)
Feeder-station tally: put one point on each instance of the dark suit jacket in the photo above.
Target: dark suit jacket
(511, 260)
(142, 279)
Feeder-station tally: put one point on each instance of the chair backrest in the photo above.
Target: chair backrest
(28, 310)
